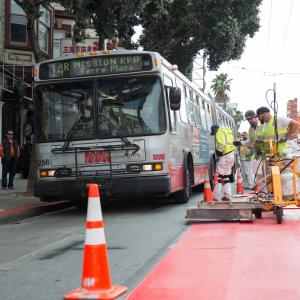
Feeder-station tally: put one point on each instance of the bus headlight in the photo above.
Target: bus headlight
(136, 168)
(47, 173)
(51, 173)
(153, 167)
(147, 167)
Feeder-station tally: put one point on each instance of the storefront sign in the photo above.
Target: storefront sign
(86, 46)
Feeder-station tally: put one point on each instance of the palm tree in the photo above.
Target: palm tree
(220, 86)
(238, 118)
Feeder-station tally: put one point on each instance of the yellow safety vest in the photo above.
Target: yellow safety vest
(267, 132)
(224, 140)
(253, 134)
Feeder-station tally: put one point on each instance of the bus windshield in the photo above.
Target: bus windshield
(124, 107)
(130, 106)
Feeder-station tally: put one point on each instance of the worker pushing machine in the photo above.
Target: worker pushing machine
(286, 129)
(280, 173)
(225, 160)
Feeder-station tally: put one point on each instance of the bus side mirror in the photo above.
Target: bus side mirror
(175, 98)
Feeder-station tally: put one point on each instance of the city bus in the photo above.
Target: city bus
(127, 120)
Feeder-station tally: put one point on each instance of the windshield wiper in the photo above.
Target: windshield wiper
(70, 133)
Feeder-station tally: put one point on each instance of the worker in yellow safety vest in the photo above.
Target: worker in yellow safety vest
(251, 164)
(286, 127)
(225, 160)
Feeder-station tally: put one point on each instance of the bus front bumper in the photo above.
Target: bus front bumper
(115, 187)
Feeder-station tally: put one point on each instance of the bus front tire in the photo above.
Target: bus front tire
(184, 195)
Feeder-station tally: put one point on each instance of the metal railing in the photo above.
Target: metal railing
(12, 72)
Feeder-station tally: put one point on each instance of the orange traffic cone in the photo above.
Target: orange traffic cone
(96, 281)
(239, 185)
(208, 197)
(216, 178)
(256, 188)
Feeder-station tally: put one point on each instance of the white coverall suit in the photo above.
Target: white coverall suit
(225, 149)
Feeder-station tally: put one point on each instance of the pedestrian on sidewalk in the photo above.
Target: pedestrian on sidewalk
(10, 154)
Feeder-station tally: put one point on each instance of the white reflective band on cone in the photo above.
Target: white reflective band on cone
(95, 236)
(94, 212)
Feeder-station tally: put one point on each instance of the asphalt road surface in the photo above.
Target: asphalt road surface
(41, 257)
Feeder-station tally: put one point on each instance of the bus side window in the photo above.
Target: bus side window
(190, 110)
(172, 113)
(197, 111)
(185, 92)
(183, 110)
(203, 117)
(208, 116)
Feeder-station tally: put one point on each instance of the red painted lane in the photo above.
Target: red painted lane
(230, 261)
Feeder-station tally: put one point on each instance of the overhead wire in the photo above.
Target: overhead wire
(269, 29)
(285, 31)
(267, 73)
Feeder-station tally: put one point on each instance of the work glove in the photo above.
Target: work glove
(259, 141)
(237, 143)
(283, 139)
(259, 153)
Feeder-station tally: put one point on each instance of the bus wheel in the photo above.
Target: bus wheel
(184, 195)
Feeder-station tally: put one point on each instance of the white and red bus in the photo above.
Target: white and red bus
(127, 120)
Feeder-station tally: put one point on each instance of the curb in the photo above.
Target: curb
(12, 194)
(20, 213)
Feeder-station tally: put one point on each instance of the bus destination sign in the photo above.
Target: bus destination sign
(93, 66)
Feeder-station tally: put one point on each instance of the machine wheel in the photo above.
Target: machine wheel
(257, 213)
(183, 196)
(279, 214)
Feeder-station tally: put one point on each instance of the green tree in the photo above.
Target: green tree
(80, 9)
(238, 118)
(220, 86)
(178, 29)
(115, 19)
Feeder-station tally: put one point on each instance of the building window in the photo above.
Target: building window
(18, 24)
(44, 29)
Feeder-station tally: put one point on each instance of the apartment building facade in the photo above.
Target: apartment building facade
(17, 61)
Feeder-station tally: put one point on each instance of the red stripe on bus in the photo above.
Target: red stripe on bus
(199, 172)
(176, 176)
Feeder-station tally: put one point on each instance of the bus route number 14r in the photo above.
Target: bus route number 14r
(92, 157)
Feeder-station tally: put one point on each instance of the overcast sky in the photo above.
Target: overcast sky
(272, 53)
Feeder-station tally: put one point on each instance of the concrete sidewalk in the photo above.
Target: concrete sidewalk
(20, 186)
(16, 204)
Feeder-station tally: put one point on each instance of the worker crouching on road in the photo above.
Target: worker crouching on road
(246, 157)
(251, 162)
(225, 160)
